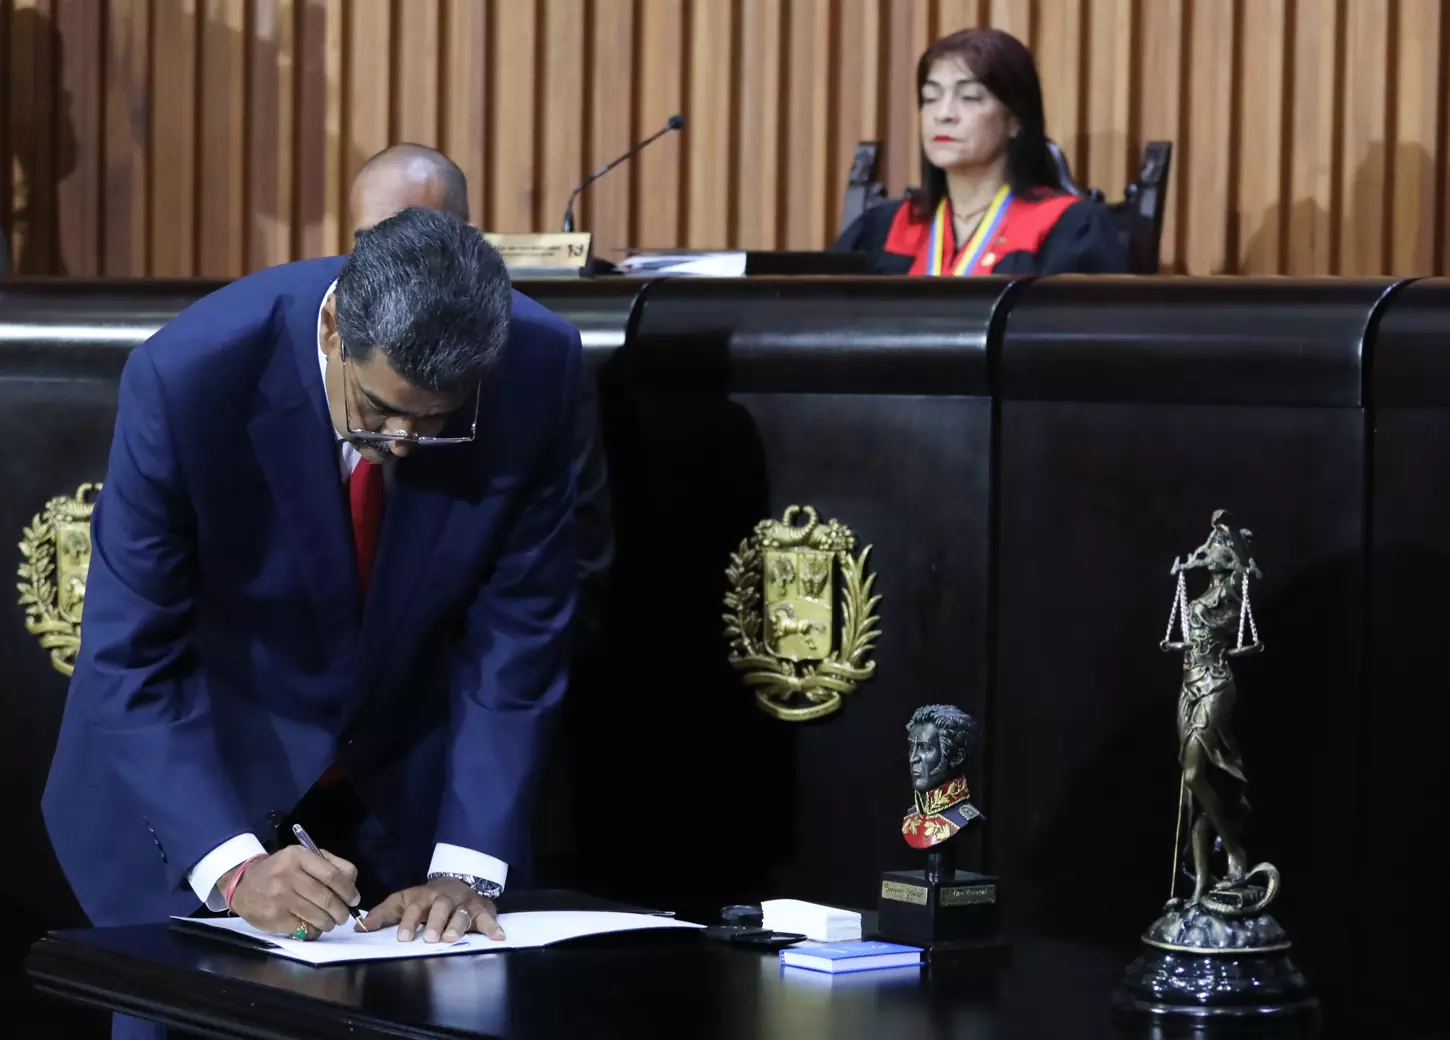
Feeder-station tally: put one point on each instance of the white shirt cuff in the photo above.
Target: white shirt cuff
(230, 853)
(455, 859)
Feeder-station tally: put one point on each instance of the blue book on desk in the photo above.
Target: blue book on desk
(835, 958)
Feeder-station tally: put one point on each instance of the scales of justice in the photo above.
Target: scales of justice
(1215, 951)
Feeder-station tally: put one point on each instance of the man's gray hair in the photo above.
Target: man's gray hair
(427, 290)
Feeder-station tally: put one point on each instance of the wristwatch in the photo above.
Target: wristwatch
(481, 886)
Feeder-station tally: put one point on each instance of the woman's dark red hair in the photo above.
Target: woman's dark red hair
(1005, 67)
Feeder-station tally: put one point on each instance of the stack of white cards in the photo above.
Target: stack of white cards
(814, 921)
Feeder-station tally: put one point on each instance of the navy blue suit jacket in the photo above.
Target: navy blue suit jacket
(224, 659)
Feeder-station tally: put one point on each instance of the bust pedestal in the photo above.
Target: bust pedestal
(939, 908)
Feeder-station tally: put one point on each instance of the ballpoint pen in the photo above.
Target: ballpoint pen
(311, 846)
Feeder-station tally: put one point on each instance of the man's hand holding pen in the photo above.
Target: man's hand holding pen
(293, 892)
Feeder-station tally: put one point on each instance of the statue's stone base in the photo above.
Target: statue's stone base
(1201, 964)
(1184, 927)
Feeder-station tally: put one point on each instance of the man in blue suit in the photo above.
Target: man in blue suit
(333, 552)
(407, 174)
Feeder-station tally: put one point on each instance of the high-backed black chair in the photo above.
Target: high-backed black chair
(863, 188)
(1064, 172)
(1139, 216)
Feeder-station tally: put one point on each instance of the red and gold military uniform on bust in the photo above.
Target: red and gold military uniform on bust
(939, 814)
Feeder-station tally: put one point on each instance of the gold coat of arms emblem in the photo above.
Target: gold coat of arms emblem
(798, 614)
(55, 555)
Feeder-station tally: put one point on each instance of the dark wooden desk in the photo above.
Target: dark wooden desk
(650, 986)
(663, 984)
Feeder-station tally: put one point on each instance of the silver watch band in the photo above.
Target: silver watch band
(482, 886)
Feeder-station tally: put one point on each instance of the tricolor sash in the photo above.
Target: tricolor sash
(971, 253)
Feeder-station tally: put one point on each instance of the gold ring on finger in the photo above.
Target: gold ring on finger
(465, 913)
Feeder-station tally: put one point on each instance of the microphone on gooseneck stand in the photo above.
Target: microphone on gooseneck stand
(675, 123)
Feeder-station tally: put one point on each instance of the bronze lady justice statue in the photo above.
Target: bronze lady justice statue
(1217, 952)
(1213, 782)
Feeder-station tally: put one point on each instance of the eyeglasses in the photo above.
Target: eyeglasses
(384, 436)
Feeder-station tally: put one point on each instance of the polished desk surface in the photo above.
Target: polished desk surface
(657, 986)
(646, 985)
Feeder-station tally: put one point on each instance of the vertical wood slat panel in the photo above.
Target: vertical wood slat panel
(1364, 164)
(1314, 113)
(1259, 218)
(1442, 208)
(170, 137)
(7, 193)
(272, 67)
(952, 15)
(318, 126)
(172, 232)
(755, 171)
(562, 165)
(1015, 17)
(1162, 96)
(416, 42)
(1208, 143)
(807, 125)
(465, 97)
(336, 228)
(908, 34)
(32, 119)
(658, 219)
(1060, 63)
(370, 77)
(513, 42)
(610, 114)
(1416, 216)
(1109, 94)
(708, 122)
(127, 112)
(79, 195)
(855, 94)
(221, 182)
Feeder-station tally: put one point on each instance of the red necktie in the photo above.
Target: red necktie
(365, 499)
(365, 496)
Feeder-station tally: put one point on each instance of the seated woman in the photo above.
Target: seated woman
(991, 200)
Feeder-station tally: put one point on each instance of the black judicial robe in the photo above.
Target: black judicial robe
(1056, 234)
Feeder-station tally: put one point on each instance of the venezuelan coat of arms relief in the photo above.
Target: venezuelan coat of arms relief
(55, 556)
(799, 614)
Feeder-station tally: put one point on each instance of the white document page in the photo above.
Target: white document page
(706, 265)
(524, 931)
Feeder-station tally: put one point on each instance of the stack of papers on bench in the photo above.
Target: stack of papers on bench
(729, 264)
(814, 921)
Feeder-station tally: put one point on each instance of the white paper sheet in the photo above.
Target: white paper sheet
(700, 264)
(524, 931)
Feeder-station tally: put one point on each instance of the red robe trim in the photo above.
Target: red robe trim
(1024, 228)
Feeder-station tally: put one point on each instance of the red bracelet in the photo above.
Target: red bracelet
(237, 879)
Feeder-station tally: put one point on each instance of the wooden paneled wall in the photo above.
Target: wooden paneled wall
(211, 137)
